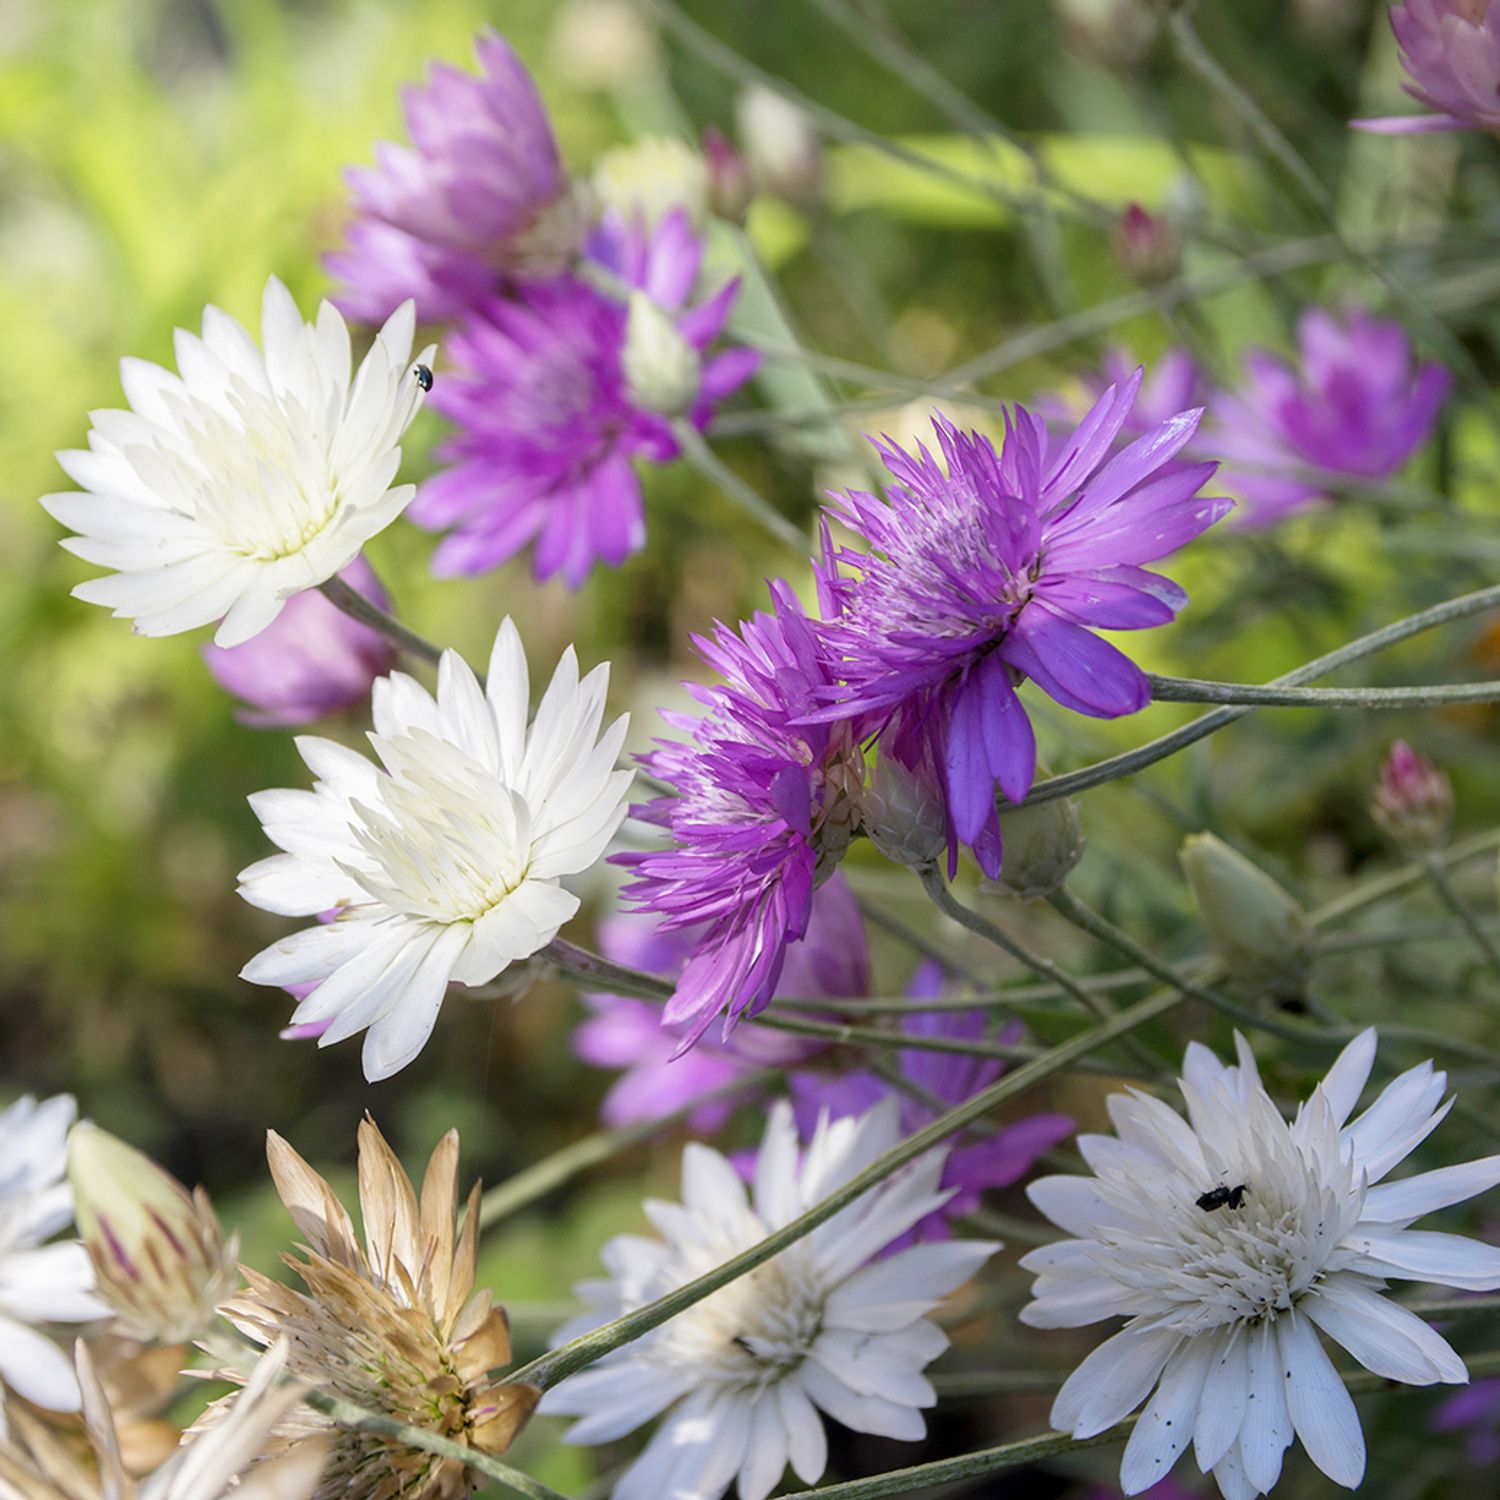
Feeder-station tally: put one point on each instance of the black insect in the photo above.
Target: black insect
(1223, 1197)
(424, 377)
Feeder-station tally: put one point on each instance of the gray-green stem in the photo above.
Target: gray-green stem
(713, 468)
(1268, 695)
(357, 607)
(1442, 883)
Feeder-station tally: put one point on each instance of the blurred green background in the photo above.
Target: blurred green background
(156, 155)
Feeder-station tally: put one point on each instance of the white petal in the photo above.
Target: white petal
(1321, 1408)
(1267, 1432)
(1421, 1255)
(1113, 1380)
(1346, 1079)
(1224, 1399)
(1411, 1197)
(1383, 1336)
(34, 1367)
(1166, 1426)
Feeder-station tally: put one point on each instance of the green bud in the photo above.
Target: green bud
(1261, 935)
(905, 814)
(1041, 845)
(160, 1259)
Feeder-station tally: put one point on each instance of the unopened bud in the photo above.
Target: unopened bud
(1112, 33)
(1041, 844)
(1413, 801)
(663, 372)
(1147, 246)
(602, 44)
(781, 145)
(647, 179)
(1258, 931)
(160, 1259)
(906, 814)
(729, 186)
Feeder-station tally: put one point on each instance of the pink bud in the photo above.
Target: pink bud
(1413, 801)
(729, 186)
(1147, 246)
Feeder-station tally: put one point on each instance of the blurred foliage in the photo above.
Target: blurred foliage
(159, 154)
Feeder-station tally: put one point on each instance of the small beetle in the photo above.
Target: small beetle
(424, 377)
(1223, 1197)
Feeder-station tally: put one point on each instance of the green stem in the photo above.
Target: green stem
(357, 1419)
(1194, 690)
(357, 607)
(604, 974)
(716, 471)
(551, 1172)
(1442, 883)
(1382, 887)
(1160, 748)
(990, 999)
(920, 942)
(586, 1349)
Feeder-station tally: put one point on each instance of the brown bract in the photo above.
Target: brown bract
(394, 1326)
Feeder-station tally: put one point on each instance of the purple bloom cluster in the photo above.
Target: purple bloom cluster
(1451, 50)
(832, 958)
(985, 568)
(547, 427)
(947, 1079)
(1355, 406)
(765, 805)
(481, 196)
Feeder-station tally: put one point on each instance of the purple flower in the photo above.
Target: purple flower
(987, 568)
(1175, 384)
(948, 1078)
(833, 959)
(482, 195)
(1451, 50)
(1353, 407)
(1167, 1489)
(1475, 1410)
(311, 661)
(764, 810)
(548, 429)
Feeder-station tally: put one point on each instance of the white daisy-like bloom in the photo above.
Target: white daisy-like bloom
(824, 1326)
(1230, 1240)
(247, 477)
(445, 861)
(39, 1283)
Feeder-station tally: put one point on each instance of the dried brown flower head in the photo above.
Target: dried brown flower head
(393, 1326)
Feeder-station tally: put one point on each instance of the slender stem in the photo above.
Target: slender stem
(357, 607)
(586, 1349)
(989, 999)
(713, 468)
(919, 941)
(1194, 690)
(1381, 887)
(346, 1414)
(604, 974)
(1169, 744)
(945, 901)
(1442, 883)
(551, 1172)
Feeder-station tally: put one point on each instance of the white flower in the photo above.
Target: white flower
(820, 1326)
(446, 864)
(247, 477)
(221, 1464)
(1226, 1295)
(39, 1283)
(663, 372)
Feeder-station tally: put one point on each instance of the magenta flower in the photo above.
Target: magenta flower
(1175, 383)
(764, 809)
(987, 568)
(973, 1166)
(1451, 51)
(832, 959)
(548, 429)
(481, 195)
(1353, 407)
(311, 661)
(1475, 1410)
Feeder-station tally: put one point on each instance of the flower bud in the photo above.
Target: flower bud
(160, 1260)
(1040, 845)
(663, 372)
(906, 814)
(1259, 933)
(649, 178)
(1147, 246)
(782, 148)
(729, 186)
(599, 45)
(1412, 803)
(1112, 33)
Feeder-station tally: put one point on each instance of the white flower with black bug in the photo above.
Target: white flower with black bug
(1230, 1240)
(825, 1326)
(248, 476)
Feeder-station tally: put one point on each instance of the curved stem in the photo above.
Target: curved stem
(605, 974)
(1442, 883)
(583, 1351)
(1381, 887)
(713, 468)
(1169, 744)
(357, 607)
(1195, 690)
